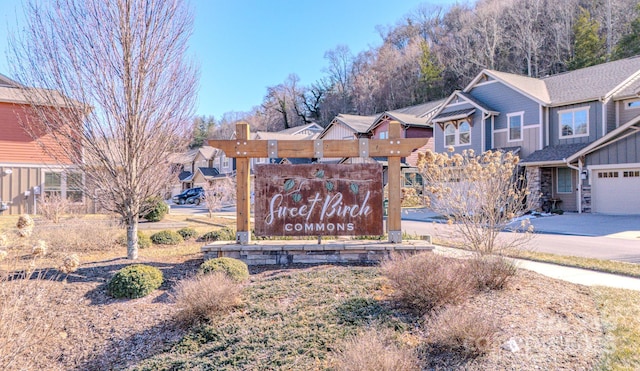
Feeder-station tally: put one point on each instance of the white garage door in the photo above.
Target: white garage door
(616, 191)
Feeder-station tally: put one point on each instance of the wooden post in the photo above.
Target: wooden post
(394, 210)
(243, 184)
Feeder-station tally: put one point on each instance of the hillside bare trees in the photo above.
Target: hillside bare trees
(126, 92)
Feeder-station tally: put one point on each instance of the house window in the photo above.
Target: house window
(574, 123)
(52, 184)
(66, 185)
(515, 126)
(384, 135)
(564, 180)
(465, 133)
(450, 135)
(632, 104)
(225, 162)
(631, 174)
(74, 187)
(608, 174)
(457, 136)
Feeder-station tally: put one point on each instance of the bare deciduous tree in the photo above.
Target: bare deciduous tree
(126, 92)
(480, 195)
(218, 193)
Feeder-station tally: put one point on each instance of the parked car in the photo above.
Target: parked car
(187, 195)
(195, 200)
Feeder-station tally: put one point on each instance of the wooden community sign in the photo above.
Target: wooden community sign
(318, 200)
(349, 203)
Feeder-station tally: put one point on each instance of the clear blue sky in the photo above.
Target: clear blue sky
(244, 46)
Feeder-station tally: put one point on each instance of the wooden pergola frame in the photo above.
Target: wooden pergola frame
(243, 149)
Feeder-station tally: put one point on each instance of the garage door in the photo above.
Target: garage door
(616, 191)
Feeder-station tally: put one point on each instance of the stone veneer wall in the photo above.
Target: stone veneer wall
(586, 198)
(533, 182)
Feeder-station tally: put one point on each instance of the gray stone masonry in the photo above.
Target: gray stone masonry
(303, 252)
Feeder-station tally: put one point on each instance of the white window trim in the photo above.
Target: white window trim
(383, 134)
(63, 185)
(560, 113)
(456, 140)
(628, 102)
(225, 162)
(509, 116)
(558, 183)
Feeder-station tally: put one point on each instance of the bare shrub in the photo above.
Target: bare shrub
(25, 225)
(27, 322)
(480, 195)
(374, 350)
(428, 281)
(70, 264)
(53, 206)
(463, 331)
(218, 193)
(39, 249)
(203, 296)
(491, 272)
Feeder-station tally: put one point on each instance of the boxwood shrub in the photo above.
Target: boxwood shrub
(134, 281)
(166, 237)
(143, 240)
(224, 234)
(234, 268)
(187, 233)
(156, 209)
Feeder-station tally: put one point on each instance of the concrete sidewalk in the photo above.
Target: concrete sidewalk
(578, 276)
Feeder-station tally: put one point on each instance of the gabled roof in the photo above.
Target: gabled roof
(207, 152)
(185, 176)
(596, 82)
(209, 171)
(474, 102)
(629, 128)
(553, 155)
(359, 124)
(529, 86)
(418, 115)
(7, 82)
(297, 129)
(600, 82)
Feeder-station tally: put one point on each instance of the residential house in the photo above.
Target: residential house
(202, 165)
(576, 132)
(27, 172)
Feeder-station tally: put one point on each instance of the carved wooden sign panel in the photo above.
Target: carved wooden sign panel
(318, 200)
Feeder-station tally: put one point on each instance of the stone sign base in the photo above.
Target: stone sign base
(298, 252)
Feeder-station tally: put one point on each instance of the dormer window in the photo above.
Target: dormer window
(574, 123)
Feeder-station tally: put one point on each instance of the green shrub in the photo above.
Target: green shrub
(156, 209)
(134, 281)
(143, 240)
(234, 268)
(224, 234)
(166, 237)
(187, 233)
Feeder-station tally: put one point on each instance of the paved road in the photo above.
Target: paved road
(599, 247)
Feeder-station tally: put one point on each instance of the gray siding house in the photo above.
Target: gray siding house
(576, 132)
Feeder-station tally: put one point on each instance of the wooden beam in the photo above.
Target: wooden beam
(394, 210)
(330, 148)
(243, 184)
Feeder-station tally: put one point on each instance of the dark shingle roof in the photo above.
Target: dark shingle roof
(209, 171)
(184, 175)
(592, 82)
(454, 114)
(554, 153)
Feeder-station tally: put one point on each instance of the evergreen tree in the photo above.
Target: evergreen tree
(201, 127)
(589, 47)
(629, 44)
(430, 73)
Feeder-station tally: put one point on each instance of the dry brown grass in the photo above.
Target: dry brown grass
(374, 350)
(464, 331)
(27, 322)
(427, 281)
(204, 296)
